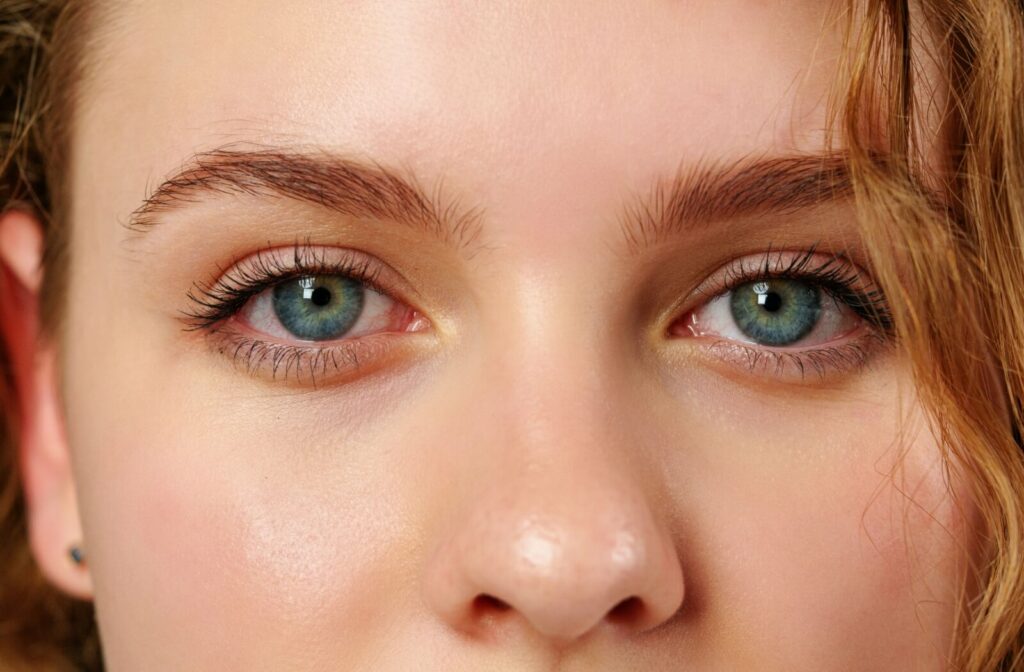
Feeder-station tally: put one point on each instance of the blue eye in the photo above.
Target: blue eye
(783, 315)
(318, 308)
(777, 311)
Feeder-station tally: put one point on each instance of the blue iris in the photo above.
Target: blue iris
(777, 311)
(319, 308)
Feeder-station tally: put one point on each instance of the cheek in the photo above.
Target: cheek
(237, 530)
(212, 529)
(819, 527)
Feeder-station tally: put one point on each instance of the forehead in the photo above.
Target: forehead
(530, 95)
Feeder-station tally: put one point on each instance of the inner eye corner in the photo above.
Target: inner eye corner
(680, 325)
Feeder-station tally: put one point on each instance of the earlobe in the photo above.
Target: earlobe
(53, 520)
(47, 478)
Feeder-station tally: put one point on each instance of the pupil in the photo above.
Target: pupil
(321, 296)
(772, 302)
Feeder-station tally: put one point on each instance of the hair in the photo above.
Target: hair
(40, 41)
(952, 269)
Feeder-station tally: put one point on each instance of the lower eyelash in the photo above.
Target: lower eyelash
(299, 363)
(845, 358)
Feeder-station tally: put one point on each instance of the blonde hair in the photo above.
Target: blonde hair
(952, 269)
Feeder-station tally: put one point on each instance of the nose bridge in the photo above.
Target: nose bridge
(562, 434)
(555, 365)
(566, 536)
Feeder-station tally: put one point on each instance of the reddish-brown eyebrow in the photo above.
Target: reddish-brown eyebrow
(709, 193)
(702, 194)
(351, 187)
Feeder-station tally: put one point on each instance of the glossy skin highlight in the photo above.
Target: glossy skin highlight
(546, 477)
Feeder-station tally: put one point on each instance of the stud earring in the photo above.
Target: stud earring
(77, 555)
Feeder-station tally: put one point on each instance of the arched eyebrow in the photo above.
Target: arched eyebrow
(703, 194)
(349, 186)
(715, 192)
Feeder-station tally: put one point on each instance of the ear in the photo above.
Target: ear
(49, 487)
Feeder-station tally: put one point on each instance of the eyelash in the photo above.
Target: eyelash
(835, 276)
(216, 302)
(224, 297)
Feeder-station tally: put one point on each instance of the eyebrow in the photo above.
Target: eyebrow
(708, 193)
(345, 185)
(702, 194)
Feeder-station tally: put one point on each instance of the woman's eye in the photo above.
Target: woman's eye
(785, 314)
(322, 308)
(308, 314)
(774, 313)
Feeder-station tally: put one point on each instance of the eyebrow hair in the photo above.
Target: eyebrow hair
(349, 186)
(709, 193)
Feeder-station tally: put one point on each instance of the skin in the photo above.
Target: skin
(544, 441)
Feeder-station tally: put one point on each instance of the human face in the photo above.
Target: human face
(555, 452)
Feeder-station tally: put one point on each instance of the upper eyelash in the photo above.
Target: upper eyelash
(227, 295)
(220, 299)
(834, 274)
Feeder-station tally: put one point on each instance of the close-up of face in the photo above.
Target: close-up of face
(526, 336)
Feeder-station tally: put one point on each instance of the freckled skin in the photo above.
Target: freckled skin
(620, 501)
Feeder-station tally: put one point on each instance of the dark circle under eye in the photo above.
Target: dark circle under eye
(319, 307)
(777, 311)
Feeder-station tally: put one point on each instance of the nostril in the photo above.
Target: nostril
(630, 610)
(487, 605)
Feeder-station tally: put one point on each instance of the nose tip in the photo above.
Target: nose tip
(561, 577)
(564, 587)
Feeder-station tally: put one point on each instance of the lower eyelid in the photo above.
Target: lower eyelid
(388, 332)
(798, 365)
(332, 362)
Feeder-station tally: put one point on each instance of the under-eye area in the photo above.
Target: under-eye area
(304, 313)
(789, 313)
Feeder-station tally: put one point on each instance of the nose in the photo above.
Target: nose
(552, 519)
(563, 546)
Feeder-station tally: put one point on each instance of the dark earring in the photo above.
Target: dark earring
(77, 555)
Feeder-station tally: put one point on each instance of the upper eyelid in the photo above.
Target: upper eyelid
(244, 278)
(779, 263)
(737, 272)
(362, 266)
(304, 257)
(370, 268)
